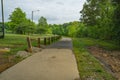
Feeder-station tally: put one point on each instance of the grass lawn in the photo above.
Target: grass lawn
(18, 42)
(89, 67)
(14, 42)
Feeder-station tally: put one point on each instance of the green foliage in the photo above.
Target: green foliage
(19, 23)
(60, 29)
(42, 26)
(90, 12)
(101, 20)
(116, 20)
(73, 28)
(30, 27)
(66, 29)
(82, 31)
(17, 18)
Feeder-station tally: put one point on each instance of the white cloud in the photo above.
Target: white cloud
(56, 11)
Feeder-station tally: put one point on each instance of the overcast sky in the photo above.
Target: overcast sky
(56, 11)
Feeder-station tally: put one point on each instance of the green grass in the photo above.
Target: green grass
(18, 42)
(89, 66)
(14, 42)
(93, 42)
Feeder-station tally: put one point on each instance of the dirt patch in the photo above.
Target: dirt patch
(5, 66)
(109, 59)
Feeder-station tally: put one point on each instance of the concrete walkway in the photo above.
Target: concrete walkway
(57, 62)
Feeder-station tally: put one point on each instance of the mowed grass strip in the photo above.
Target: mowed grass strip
(14, 42)
(18, 42)
(89, 67)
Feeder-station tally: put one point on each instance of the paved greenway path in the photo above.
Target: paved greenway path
(56, 62)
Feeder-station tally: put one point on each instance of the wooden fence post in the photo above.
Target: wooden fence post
(39, 42)
(29, 44)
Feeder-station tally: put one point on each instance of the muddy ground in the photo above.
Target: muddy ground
(109, 59)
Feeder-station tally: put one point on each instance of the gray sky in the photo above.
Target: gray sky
(56, 11)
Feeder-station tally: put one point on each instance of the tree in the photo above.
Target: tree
(97, 14)
(42, 26)
(116, 21)
(82, 30)
(30, 27)
(90, 12)
(17, 21)
(105, 22)
(66, 29)
(73, 28)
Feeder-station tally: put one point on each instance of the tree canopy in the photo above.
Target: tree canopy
(42, 26)
(102, 19)
(19, 23)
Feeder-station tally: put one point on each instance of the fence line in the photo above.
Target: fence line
(46, 41)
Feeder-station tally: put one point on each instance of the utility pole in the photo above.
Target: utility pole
(33, 14)
(3, 25)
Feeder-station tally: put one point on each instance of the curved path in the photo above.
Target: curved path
(56, 62)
